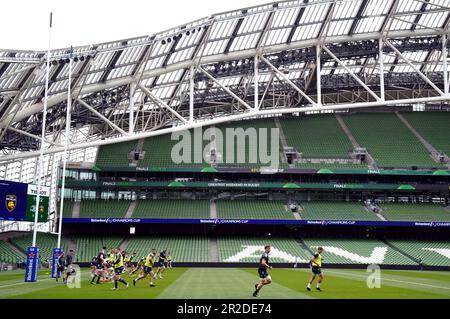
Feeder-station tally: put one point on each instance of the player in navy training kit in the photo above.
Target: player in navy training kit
(262, 271)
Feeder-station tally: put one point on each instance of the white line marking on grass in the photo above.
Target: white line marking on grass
(23, 283)
(387, 279)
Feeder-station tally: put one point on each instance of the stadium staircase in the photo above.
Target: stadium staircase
(124, 243)
(71, 244)
(399, 250)
(434, 152)
(304, 246)
(213, 209)
(214, 253)
(130, 209)
(76, 209)
(370, 161)
(379, 214)
(284, 144)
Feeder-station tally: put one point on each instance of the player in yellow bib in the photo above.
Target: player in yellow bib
(316, 269)
(148, 268)
(117, 263)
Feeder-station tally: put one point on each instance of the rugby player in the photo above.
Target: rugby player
(316, 269)
(262, 271)
(100, 264)
(148, 268)
(118, 268)
(161, 263)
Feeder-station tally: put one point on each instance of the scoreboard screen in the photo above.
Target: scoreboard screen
(18, 201)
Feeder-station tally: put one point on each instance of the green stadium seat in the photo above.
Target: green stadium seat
(181, 248)
(433, 253)
(433, 126)
(45, 241)
(388, 140)
(317, 136)
(250, 249)
(103, 208)
(358, 251)
(252, 209)
(115, 155)
(333, 210)
(172, 208)
(415, 212)
(8, 254)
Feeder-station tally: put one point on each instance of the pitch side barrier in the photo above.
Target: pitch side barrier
(134, 221)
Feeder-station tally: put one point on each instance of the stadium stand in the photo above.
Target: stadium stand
(115, 155)
(45, 241)
(246, 149)
(249, 249)
(158, 152)
(8, 254)
(358, 251)
(433, 253)
(316, 136)
(90, 246)
(181, 248)
(68, 207)
(388, 140)
(172, 208)
(103, 208)
(415, 212)
(333, 210)
(252, 209)
(433, 126)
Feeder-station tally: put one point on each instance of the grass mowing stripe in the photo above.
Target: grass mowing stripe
(223, 283)
(388, 279)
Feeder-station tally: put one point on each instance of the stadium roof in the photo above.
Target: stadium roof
(220, 49)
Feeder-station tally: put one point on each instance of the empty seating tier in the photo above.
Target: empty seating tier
(432, 253)
(172, 208)
(358, 251)
(388, 140)
(415, 212)
(335, 211)
(103, 208)
(45, 241)
(8, 254)
(242, 148)
(252, 209)
(181, 248)
(433, 126)
(250, 249)
(158, 150)
(317, 136)
(115, 155)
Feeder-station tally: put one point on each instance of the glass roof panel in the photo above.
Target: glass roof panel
(346, 9)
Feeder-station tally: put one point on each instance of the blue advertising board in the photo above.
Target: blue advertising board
(133, 221)
(32, 264)
(56, 254)
(13, 200)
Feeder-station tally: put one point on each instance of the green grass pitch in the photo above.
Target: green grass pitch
(227, 283)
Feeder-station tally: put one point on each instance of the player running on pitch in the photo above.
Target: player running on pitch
(316, 269)
(161, 263)
(100, 263)
(148, 268)
(262, 271)
(118, 268)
